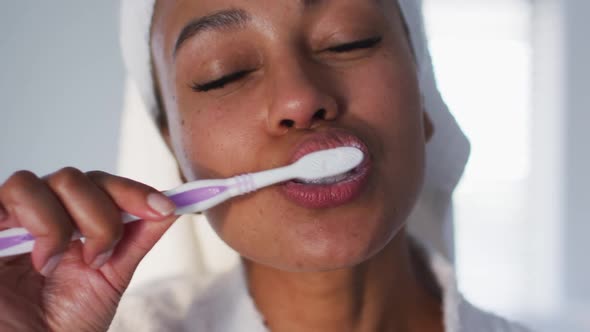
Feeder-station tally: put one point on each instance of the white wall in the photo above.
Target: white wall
(476, 45)
(61, 85)
(577, 157)
(560, 201)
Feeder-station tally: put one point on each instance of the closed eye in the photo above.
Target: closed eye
(220, 82)
(356, 45)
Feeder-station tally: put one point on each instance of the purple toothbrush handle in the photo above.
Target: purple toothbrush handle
(194, 196)
(12, 241)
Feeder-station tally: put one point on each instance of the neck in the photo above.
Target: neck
(384, 293)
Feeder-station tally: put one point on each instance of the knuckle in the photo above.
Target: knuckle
(56, 234)
(66, 178)
(97, 174)
(19, 183)
(62, 234)
(107, 233)
(21, 179)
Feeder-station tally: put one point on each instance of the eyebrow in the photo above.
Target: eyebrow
(222, 20)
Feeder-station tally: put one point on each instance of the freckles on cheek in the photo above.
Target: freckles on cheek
(187, 134)
(212, 140)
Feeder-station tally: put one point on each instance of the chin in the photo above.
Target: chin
(295, 239)
(328, 244)
(338, 252)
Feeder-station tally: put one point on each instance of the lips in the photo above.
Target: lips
(320, 195)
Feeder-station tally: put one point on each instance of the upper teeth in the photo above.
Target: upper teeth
(328, 180)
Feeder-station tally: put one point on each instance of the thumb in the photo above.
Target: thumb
(139, 238)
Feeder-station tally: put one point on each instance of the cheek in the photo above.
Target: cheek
(386, 96)
(205, 138)
(385, 100)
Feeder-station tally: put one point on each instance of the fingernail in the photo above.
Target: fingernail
(161, 204)
(101, 259)
(51, 265)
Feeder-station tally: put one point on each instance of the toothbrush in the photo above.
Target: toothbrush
(201, 195)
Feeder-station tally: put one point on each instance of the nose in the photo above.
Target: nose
(299, 100)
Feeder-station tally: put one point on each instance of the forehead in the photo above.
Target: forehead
(163, 5)
(170, 16)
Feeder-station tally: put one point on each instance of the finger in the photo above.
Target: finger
(4, 218)
(7, 220)
(133, 197)
(29, 200)
(142, 201)
(93, 212)
(138, 240)
(3, 214)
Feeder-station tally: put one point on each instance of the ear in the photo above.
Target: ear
(428, 127)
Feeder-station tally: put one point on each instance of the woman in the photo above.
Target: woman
(242, 86)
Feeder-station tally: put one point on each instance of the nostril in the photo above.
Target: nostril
(304, 123)
(320, 114)
(287, 123)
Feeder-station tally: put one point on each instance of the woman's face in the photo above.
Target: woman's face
(253, 85)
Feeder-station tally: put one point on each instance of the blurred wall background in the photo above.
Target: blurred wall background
(61, 85)
(515, 73)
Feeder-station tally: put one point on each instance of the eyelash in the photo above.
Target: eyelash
(227, 79)
(356, 45)
(221, 82)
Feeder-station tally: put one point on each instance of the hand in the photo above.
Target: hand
(74, 286)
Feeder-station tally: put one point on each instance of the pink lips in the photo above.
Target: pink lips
(328, 195)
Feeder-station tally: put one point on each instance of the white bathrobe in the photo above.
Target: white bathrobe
(223, 304)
